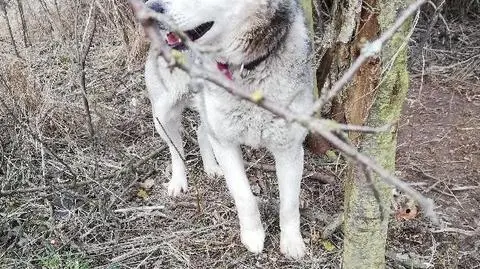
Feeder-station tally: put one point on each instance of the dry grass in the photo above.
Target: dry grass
(462, 7)
(95, 219)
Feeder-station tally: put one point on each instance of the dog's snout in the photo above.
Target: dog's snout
(156, 6)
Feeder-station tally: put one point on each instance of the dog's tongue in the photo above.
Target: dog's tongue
(223, 67)
(173, 40)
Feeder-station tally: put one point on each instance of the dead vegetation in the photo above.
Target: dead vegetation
(66, 202)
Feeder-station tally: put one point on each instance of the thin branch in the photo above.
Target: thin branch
(132, 166)
(333, 226)
(433, 22)
(23, 23)
(82, 58)
(24, 126)
(46, 188)
(83, 48)
(312, 175)
(204, 69)
(426, 203)
(376, 193)
(141, 208)
(3, 7)
(364, 129)
(369, 50)
(197, 192)
(458, 231)
(408, 260)
(170, 140)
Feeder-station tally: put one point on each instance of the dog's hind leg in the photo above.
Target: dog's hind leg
(251, 229)
(168, 120)
(289, 166)
(210, 164)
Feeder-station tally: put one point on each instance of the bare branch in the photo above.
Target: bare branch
(46, 188)
(82, 58)
(140, 208)
(23, 23)
(170, 140)
(361, 129)
(376, 193)
(426, 203)
(311, 175)
(333, 226)
(3, 7)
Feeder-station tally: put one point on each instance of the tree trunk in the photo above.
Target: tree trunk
(3, 7)
(49, 16)
(373, 102)
(335, 53)
(308, 8)
(24, 23)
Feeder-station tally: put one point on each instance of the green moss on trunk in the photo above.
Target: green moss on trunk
(308, 8)
(365, 231)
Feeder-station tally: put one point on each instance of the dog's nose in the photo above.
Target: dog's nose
(156, 6)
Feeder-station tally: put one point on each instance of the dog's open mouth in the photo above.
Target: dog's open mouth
(175, 42)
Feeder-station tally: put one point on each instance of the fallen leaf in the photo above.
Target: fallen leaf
(142, 194)
(328, 245)
(406, 213)
(331, 155)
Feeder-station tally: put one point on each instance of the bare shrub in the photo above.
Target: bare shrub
(19, 85)
(462, 7)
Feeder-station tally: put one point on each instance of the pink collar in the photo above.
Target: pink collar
(175, 42)
(223, 67)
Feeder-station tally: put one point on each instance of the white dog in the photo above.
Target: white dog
(263, 45)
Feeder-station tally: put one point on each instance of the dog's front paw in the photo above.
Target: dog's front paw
(213, 170)
(176, 186)
(292, 245)
(253, 239)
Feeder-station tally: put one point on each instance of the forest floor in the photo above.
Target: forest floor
(102, 221)
(439, 147)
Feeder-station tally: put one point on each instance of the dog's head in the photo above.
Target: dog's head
(241, 29)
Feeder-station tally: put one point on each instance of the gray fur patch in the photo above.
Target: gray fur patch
(266, 38)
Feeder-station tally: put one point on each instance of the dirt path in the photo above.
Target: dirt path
(439, 149)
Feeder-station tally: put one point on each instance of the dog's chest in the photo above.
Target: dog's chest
(232, 120)
(241, 122)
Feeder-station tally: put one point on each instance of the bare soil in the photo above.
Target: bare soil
(439, 148)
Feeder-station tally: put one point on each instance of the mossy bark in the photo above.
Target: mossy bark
(335, 57)
(374, 102)
(308, 9)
